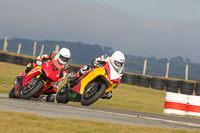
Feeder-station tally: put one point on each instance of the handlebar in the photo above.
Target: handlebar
(98, 64)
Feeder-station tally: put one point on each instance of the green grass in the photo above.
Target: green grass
(29, 123)
(125, 97)
(8, 72)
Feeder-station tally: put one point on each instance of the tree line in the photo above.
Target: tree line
(83, 53)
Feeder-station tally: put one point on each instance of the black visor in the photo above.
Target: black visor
(119, 64)
(64, 59)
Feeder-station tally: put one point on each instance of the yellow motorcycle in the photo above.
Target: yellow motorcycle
(91, 86)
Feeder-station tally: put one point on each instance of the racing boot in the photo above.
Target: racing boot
(51, 92)
(107, 96)
(51, 98)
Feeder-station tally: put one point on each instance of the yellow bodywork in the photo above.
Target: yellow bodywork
(92, 75)
(38, 68)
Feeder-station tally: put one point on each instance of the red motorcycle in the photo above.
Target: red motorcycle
(36, 82)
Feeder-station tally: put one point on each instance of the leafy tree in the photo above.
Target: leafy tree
(163, 60)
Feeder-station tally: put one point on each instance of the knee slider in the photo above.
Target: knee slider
(85, 69)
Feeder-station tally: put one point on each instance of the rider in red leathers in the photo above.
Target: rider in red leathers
(117, 62)
(60, 60)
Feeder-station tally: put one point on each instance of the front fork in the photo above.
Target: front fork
(18, 86)
(17, 90)
(46, 84)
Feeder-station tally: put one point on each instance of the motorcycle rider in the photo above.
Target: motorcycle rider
(60, 60)
(117, 62)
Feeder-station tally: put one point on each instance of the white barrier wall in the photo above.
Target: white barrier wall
(193, 105)
(175, 103)
(182, 104)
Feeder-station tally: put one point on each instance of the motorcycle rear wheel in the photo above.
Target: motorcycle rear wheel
(95, 97)
(33, 91)
(61, 96)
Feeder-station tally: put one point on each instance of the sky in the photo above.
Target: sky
(159, 28)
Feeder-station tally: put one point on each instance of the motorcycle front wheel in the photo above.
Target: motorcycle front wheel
(89, 97)
(29, 92)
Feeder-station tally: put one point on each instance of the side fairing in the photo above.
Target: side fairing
(31, 74)
(113, 73)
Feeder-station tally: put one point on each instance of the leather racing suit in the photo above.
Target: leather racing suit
(42, 58)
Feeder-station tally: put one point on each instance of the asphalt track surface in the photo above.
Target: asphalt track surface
(124, 117)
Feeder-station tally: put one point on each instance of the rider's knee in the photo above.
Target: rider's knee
(85, 69)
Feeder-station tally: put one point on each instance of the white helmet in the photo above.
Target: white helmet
(117, 60)
(63, 56)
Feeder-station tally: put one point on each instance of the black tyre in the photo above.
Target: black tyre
(25, 61)
(27, 94)
(158, 83)
(173, 85)
(143, 81)
(12, 93)
(197, 89)
(129, 79)
(2, 57)
(61, 96)
(99, 91)
(187, 88)
(11, 59)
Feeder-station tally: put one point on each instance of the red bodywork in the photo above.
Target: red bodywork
(48, 71)
(108, 73)
(107, 68)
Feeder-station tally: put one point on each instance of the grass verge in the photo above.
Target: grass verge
(24, 122)
(126, 97)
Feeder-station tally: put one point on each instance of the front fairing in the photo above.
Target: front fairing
(51, 71)
(47, 71)
(88, 77)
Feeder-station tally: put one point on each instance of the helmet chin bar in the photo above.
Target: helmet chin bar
(61, 62)
(117, 69)
(64, 59)
(118, 64)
